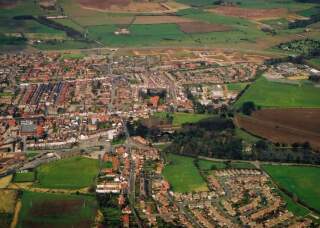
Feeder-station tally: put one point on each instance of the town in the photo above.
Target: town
(56, 107)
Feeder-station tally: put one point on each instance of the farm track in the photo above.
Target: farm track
(48, 190)
(16, 214)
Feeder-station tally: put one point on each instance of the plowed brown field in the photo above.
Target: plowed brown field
(121, 6)
(8, 4)
(103, 4)
(253, 14)
(284, 125)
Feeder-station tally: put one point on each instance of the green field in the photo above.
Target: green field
(24, 177)
(206, 165)
(299, 180)
(70, 173)
(265, 93)
(182, 174)
(55, 210)
(180, 118)
(237, 86)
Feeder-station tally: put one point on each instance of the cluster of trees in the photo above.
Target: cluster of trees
(162, 93)
(213, 137)
(306, 46)
(12, 40)
(300, 59)
(304, 23)
(108, 205)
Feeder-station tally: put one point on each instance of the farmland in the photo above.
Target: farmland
(54, 210)
(298, 180)
(71, 173)
(266, 93)
(284, 125)
(182, 174)
(150, 24)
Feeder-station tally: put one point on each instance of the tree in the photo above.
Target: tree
(248, 107)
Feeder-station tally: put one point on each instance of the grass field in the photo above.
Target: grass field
(71, 173)
(180, 118)
(273, 94)
(299, 180)
(54, 210)
(237, 86)
(182, 174)
(208, 165)
(24, 177)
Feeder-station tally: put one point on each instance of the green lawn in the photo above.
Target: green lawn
(237, 86)
(24, 177)
(208, 165)
(180, 118)
(56, 210)
(299, 180)
(182, 174)
(70, 173)
(273, 94)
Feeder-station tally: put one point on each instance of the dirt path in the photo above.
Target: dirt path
(16, 214)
